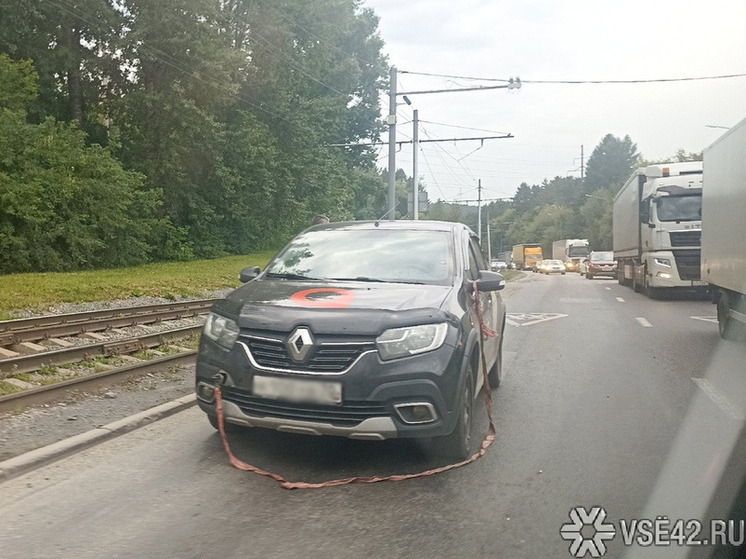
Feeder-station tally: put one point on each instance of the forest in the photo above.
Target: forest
(134, 131)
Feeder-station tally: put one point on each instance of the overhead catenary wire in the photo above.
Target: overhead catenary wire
(575, 82)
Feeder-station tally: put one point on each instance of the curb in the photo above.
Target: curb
(31, 460)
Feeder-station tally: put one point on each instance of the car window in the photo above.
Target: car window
(370, 255)
(476, 261)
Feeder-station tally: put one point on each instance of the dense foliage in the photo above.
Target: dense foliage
(134, 130)
(568, 207)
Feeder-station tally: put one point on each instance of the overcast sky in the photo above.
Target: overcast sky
(563, 40)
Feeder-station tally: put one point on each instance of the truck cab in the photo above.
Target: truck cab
(657, 227)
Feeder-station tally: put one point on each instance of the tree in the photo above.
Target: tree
(64, 206)
(611, 163)
(76, 49)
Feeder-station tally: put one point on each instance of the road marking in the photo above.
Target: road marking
(706, 318)
(607, 288)
(725, 405)
(644, 322)
(527, 319)
(620, 299)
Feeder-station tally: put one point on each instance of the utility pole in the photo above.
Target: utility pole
(582, 164)
(391, 121)
(479, 211)
(415, 170)
(489, 242)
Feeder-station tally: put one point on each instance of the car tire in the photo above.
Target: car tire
(729, 329)
(495, 373)
(636, 286)
(229, 427)
(457, 445)
(563, 273)
(651, 292)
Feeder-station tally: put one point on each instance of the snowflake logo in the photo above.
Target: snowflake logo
(573, 531)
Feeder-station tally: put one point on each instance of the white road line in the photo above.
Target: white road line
(607, 288)
(720, 401)
(706, 318)
(620, 299)
(644, 322)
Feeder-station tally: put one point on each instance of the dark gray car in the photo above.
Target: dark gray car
(366, 330)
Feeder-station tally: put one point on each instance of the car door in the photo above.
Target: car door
(488, 300)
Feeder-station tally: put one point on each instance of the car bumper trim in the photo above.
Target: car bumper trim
(373, 428)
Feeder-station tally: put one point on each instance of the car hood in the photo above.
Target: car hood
(334, 307)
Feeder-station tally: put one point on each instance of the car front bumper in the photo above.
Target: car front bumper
(378, 398)
(601, 272)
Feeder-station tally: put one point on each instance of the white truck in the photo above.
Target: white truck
(724, 228)
(571, 252)
(657, 228)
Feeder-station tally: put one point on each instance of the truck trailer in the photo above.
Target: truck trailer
(526, 255)
(571, 252)
(657, 227)
(724, 228)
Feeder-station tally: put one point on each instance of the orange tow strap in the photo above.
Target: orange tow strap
(285, 484)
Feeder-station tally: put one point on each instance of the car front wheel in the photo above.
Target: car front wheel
(457, 445)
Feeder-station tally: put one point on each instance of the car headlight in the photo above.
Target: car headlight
(221, 330)
(412, 340)
(665, 262)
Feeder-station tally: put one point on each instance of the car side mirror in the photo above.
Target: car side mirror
(489, 281)
(248, 274)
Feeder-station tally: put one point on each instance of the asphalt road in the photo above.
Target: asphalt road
(608, 399)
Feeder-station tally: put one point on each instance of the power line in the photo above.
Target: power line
(462, 127)
(574, 82)
(453, 77)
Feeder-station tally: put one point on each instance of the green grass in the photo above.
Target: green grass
(510, 274)
(7, 388)
(169, 280)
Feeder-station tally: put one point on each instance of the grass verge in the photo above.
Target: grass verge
(170, 280)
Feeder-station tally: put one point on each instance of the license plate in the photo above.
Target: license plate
(698, 283)
(298, 390)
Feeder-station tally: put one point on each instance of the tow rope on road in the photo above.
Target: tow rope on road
(484, 331)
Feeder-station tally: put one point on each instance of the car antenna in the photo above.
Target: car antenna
(384, 215)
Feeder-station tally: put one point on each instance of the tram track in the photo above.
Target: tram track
(38, 370)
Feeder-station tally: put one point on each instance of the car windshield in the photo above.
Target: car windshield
(602, 256)
(679, 208)
(375, 255)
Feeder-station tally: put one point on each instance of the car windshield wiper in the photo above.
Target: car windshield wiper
(289, 276)
(376, 280)
(359, 278)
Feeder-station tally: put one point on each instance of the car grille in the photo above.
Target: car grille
(349, 414)
(327, 356)
(687, 263)
(691, 238)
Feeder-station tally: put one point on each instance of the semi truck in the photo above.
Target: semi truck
(657, 222)
(526, 255)
(724, 229)
(571, 252)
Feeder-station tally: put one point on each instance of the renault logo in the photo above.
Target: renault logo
(299, 344)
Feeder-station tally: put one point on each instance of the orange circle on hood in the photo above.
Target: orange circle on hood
(341, 298)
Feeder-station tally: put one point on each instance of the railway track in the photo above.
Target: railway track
(109, 341)
(55, 392)
(13, 332)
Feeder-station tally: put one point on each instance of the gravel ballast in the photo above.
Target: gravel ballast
(40, 426)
